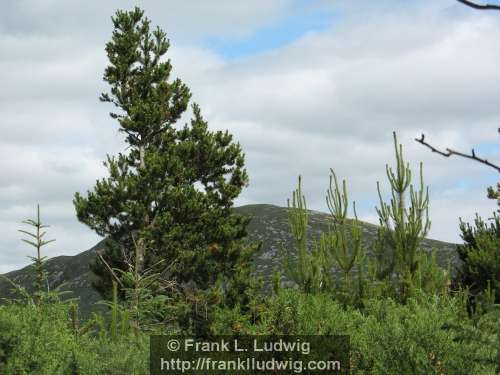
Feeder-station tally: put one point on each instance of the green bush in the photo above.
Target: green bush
(480, 256)
(432, 336)
(41, 341)
(424, 337)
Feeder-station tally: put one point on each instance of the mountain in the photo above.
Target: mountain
(269, 225)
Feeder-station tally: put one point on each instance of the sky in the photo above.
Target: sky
(303, 86)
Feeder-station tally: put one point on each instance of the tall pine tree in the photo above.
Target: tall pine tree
(170, 196)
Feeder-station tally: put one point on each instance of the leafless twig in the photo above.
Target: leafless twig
(450, 152)
(110, 269)
(479, 6)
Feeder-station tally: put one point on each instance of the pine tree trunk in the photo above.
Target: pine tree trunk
(142, 151)
(140, 250)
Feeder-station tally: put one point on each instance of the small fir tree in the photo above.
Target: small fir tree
(36, 239)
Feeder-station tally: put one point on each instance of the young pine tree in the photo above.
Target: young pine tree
(307, 272)
(172, 193)
(344, 243)
(480, 256)
(404, 223)
(338, 251)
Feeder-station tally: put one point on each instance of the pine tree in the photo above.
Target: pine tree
(171, 195)
(308, 270)
(344, 242)
(402, 226)
(340, 250)
(480, 257)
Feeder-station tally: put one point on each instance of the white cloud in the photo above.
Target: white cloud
(188, 20)
(329, 99)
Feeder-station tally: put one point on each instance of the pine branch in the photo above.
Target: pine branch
(480, 6)
(450, 152)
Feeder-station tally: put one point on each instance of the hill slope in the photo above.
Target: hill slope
(269, 225)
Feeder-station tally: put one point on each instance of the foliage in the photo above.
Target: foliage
(196, 311)
(339, 251)
(37, 240)
(429, 278)
(34, 343)
(307, 272)
(176, 257)
(170, 197)
(402, 227)
(421, 337)
(343, 243)
(480, 256)
(37, 295)
(494, 194)
(146, 303)
(337, 262)
(430, 333)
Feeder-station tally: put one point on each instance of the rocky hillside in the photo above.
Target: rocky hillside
(269, 226)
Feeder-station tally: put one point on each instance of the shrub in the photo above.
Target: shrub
(480, 256)
(44, 343)
(421, 337)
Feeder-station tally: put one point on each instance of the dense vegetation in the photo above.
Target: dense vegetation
(166, 205)
(404, 314)
(431, 335)
(399, 323)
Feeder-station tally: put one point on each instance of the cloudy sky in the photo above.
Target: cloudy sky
(304, 86)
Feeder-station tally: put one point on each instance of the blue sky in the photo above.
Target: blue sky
(277, 34)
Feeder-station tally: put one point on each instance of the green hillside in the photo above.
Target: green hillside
(269, 226)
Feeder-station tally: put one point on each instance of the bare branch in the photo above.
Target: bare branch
(110, 269)
(479, 6)
(450, 152)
